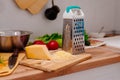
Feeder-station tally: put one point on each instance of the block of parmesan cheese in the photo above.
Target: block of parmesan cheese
(24, 4)
(38, 52)
(37, 6)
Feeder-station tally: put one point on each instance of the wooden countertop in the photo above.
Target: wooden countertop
(100, 56)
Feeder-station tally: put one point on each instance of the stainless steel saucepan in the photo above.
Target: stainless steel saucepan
(13, 39)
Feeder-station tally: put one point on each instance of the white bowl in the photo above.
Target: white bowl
(97, 35)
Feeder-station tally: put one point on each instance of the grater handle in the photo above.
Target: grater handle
(72, 7)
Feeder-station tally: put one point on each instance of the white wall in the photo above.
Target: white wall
(98, 13)
(117, 17)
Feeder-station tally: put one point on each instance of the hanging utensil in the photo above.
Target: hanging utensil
(37, 6)
(51, 13)
(24, 4)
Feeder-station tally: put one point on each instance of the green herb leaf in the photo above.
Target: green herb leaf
(46, 38)
(1, 60)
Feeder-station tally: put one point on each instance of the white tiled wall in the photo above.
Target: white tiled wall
(98, 13)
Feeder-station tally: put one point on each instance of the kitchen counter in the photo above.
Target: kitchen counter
(108, 72)
(101, 56)
(113, 41)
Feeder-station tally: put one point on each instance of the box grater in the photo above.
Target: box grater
(73, 30)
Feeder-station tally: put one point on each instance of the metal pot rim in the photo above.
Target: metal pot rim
(14, 32)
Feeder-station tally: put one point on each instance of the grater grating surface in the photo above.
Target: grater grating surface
(78, 36)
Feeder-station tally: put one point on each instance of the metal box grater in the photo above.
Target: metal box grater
(73, 35)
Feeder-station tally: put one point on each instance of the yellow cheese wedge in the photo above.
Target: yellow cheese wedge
(37, 6)
(38, 52)
(24, 4)
(62, 55)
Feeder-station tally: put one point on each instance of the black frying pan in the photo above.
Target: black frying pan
(51, 13)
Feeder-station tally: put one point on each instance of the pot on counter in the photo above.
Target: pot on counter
(12, 39)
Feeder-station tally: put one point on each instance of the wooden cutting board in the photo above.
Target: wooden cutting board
(37, 6)
(5, 70)
(24, 4)
(55, 65)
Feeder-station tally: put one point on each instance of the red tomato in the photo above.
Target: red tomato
(52, 45)
(39, 42)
